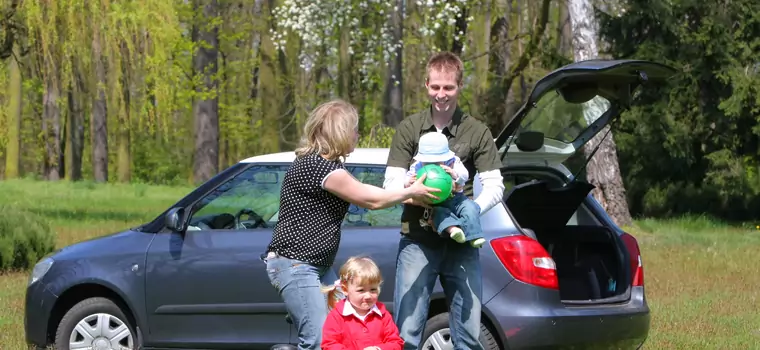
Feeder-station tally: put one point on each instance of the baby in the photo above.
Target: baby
(458, 216)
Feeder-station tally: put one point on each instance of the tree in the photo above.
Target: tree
(206, 103)
(13, 156)
(602, 170)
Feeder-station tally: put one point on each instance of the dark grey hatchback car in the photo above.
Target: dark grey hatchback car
(557, 272)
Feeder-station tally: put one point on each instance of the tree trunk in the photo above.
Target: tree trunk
(394, 83)
(602, 170)
(13, 150)
(99, 125)
(124, 154)
(206, 107)
(481, 35)
(267, 123)
(255, 47)
(75, 128)
(51, 125)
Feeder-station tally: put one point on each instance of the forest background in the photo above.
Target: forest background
(172, 91)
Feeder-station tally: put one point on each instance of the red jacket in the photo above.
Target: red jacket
(350, 333)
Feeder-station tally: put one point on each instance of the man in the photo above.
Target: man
(423, 255)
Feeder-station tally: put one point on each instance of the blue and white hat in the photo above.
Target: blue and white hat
(433, 148)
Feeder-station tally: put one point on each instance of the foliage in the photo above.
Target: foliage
(379, 136)
(696, 150)
(25, 238)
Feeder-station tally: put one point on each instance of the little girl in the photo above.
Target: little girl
(358, 322)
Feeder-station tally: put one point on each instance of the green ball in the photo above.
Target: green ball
(437, 178)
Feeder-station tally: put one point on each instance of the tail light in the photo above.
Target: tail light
(526, 260)
(637, 269)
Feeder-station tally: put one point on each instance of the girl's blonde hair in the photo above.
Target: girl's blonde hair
(330, 130)
(357, 270)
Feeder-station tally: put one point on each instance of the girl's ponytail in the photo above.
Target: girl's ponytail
(334, 293)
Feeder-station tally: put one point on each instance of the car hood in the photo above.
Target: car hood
(128, 241)
(570, 105)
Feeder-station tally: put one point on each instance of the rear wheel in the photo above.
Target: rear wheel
(95, 323)
(437, 335)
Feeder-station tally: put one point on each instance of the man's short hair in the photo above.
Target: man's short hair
(446, 62)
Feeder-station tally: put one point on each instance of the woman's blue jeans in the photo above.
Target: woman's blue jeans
(298, 283)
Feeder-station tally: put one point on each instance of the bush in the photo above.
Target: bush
(25, 238)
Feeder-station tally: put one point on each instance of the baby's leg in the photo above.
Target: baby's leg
(469, 215)
(447, 223)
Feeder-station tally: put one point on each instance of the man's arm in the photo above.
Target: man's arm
(399, 158)
(488, 165)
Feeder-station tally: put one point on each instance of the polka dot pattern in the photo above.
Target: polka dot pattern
(310, 218)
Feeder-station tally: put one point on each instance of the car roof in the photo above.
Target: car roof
(367, 156)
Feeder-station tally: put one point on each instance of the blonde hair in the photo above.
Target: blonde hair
(446, 62)
(357, 270)
(329, 130)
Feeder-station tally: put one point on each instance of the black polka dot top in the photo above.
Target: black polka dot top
(308, 228)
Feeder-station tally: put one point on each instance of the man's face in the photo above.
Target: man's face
(443, 90)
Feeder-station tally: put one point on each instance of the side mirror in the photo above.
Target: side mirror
(175, 219)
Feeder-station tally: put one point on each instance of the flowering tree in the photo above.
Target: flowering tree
(318, 22)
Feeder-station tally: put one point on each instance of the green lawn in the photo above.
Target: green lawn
(701, 277)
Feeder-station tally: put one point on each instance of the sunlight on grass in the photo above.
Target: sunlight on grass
(700, 274)
(701, 283)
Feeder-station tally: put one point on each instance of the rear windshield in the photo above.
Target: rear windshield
(558, 119)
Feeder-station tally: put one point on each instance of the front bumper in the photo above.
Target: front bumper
(37, 311)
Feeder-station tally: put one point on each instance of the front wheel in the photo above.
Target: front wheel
(437, 335)
(95, 323)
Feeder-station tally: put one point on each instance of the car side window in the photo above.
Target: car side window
(249, 200)
(357, 216)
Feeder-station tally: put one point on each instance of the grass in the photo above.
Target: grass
(700, 274)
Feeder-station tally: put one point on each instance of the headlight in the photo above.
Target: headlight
(40, 270)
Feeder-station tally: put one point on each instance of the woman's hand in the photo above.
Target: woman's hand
(420, 192)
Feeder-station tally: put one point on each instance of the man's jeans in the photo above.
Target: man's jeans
(461, 211)
(299, 285)
(458, 266)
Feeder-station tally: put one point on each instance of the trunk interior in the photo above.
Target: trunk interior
(590, 258)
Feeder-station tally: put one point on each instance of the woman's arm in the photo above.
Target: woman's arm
(344, 185)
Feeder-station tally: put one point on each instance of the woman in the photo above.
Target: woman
(314, 199)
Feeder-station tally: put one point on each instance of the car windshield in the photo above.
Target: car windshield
(255, 193)
(562, 120)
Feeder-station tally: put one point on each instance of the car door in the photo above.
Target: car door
(207, 287)
(373, 233)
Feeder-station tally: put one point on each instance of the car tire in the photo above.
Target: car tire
(95, 311)
(438, 325)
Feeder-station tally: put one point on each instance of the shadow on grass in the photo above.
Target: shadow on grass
(91, 215)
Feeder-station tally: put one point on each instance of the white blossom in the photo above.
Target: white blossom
(317, 22)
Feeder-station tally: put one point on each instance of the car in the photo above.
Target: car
(557, 271)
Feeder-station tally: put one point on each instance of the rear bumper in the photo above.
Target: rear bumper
(38, 306)
(529, 317)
